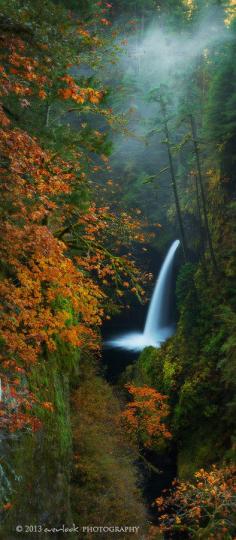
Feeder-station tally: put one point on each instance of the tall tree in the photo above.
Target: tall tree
(202, 192)
(172, 175)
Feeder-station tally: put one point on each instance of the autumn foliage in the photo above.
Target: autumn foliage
(58, 257)
(39, 281)
(145, 415)
(80, 95)
(204, 508)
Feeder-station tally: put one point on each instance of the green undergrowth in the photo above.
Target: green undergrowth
(194, 369)
(105, 483)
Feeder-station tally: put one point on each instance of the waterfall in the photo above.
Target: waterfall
(158, 326)
(158, 320)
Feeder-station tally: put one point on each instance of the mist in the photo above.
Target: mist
(152, 62)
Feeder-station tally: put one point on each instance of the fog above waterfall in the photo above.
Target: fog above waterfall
(153, 57)
(162, 55)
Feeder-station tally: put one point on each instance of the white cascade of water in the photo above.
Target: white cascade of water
(158, 313)
(157, 327)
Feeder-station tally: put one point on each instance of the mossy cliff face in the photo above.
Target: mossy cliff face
(42, 460)
(79, 467)
(193, 368)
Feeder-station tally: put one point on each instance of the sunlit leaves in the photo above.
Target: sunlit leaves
(205, 507)
(75, 93)
(146, 414)
(60, 254)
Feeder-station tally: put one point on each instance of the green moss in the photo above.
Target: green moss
(144, 368)
(43, 459)
(195, 370)
(197, 450)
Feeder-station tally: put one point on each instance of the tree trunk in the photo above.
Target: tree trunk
(201, 226)
(173, 178)
(200, 180)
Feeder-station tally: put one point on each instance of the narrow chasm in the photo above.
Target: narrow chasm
(158, 469)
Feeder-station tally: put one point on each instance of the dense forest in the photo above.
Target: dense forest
(118, 137)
